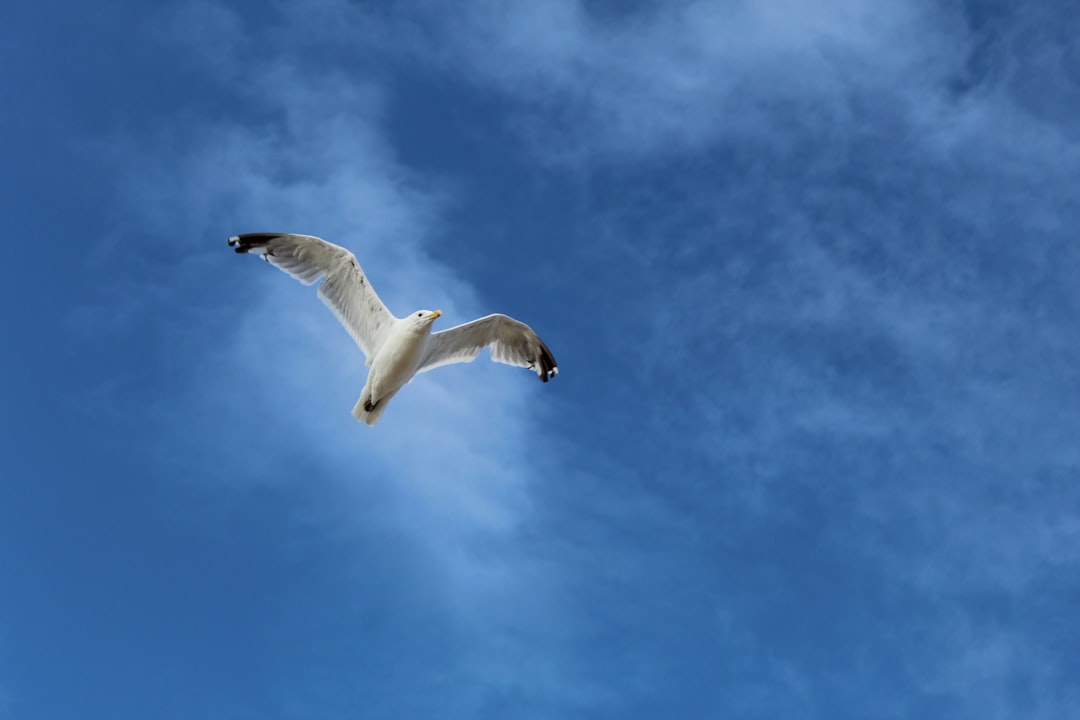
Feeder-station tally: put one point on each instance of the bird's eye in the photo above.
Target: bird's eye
(419, 314)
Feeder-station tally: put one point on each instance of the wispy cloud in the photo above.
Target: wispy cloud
(677, 79)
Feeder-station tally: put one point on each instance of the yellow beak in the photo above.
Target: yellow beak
(435, 314)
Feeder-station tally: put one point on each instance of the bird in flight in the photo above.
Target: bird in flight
(396, 348)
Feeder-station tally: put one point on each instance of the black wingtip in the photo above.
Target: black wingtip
(251, 241)
(548, 368)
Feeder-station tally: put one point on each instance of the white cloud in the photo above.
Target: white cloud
(981, 668)
(672, 79)
(680, 78)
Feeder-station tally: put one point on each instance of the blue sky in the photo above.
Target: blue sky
(809, 270)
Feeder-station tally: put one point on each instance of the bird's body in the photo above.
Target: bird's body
(394, 364)
(396, 348)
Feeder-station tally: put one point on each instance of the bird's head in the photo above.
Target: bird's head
(424, 318)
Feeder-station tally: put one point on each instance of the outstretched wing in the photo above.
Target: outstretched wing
(510, 341)
(345, 289)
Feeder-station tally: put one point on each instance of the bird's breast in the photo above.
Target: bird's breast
(397, 360)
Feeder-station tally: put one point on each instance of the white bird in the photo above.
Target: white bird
(396, 348)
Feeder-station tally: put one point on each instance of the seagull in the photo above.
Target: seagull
(396, 348)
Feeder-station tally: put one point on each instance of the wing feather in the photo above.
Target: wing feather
(345, 289)
(510, 341)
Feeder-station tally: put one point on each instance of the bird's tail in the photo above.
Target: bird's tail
(361, 412)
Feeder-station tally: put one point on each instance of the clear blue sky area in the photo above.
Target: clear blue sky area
(811, 271)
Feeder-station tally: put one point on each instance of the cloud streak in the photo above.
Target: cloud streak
(696, 73)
